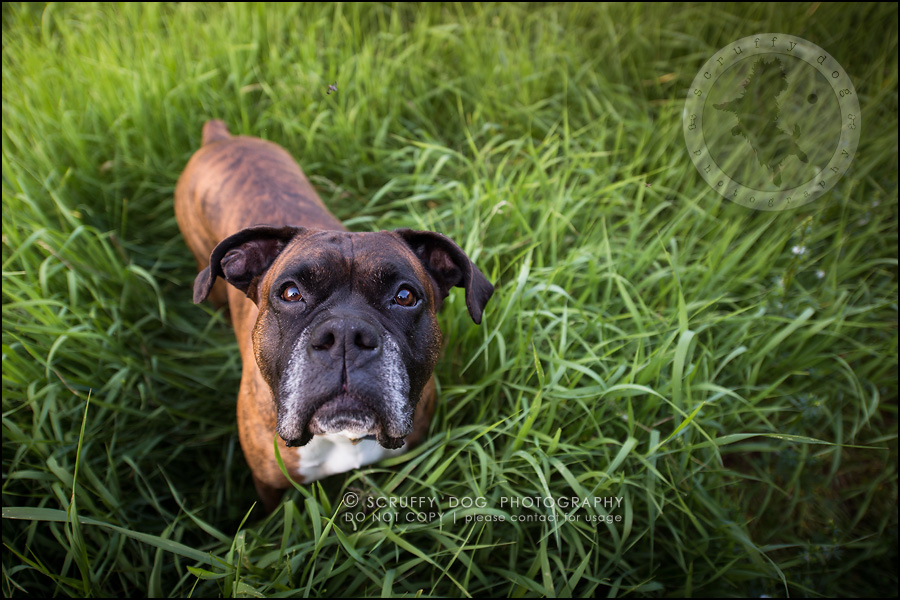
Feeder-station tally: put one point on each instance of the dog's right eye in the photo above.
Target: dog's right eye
(291, 293)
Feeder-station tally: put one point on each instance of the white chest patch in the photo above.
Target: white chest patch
(335, 453)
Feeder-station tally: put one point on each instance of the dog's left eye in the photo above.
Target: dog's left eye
(406, 297)
(291, 293)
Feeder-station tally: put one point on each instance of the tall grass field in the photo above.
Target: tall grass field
(671, 394)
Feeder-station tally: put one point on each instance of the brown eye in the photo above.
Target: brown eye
(291, 294)
(406, 297)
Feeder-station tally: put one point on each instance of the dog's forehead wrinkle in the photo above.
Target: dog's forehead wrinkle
(367, 261)
(314, 261)
(383, 260)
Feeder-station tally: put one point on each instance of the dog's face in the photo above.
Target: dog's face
(346, 336)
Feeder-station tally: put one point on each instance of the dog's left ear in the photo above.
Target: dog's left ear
(241, 258)
(449, 266)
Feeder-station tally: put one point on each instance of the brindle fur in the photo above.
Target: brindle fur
(234, 182)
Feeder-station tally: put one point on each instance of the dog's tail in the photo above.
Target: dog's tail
(215, 130)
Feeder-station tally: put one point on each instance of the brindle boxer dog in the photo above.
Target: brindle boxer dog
(337, 330)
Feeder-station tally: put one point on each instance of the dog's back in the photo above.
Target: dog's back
(271, 190)
(212, 202)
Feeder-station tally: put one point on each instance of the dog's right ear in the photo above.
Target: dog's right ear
(241, 258)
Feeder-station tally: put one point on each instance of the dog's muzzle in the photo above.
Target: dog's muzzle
(344, 375)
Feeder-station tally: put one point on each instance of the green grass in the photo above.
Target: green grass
(655, 344)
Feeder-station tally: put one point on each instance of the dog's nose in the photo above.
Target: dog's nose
(341, 338)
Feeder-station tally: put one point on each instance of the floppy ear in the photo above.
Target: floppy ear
(449, 266)
(241, 258)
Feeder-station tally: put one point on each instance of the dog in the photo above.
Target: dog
(337, 330)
